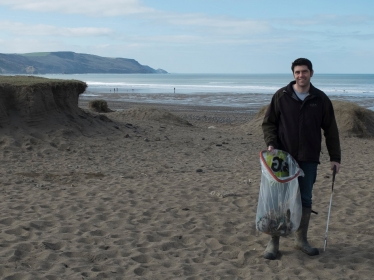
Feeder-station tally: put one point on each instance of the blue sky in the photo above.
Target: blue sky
(198, 36)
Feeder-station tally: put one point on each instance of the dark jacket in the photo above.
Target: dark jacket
(295, 126)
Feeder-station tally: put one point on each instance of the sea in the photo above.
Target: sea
(219, 90)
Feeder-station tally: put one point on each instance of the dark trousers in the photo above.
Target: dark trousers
(306, 183)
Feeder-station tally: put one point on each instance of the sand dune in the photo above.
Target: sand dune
(128, 195)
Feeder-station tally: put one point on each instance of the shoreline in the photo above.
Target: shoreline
(208, 114)
(252, 104)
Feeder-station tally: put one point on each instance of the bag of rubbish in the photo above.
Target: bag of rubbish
(279, 206)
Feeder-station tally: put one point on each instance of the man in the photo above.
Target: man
(293, 123)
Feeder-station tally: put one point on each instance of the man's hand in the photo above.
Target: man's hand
(337, 164)
(271, 150)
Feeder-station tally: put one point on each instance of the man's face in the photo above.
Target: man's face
(302, 75)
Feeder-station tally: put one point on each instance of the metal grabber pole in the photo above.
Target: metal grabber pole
(328, 216)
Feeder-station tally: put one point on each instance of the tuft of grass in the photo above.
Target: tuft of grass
(21, 80)
(99, 105)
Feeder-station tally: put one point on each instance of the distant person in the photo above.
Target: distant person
(174, 90)
(293, 123)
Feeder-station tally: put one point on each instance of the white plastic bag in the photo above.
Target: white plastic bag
(279, 206)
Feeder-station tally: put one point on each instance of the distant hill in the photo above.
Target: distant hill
(69, 63)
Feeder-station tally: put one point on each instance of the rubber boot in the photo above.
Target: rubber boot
(271, 250)
(301, 242)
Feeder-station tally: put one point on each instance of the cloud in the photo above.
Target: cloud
(330, 20)
(112, 8)
(86, 7)
(223, 25)
(353, 35)
(18, 28)
(27, 45)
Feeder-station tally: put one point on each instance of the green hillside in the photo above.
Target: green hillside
(69, 63)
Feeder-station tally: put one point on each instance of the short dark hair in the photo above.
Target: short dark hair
(302, 61)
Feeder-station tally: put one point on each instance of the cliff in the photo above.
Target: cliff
(69, 63)
(35, 99)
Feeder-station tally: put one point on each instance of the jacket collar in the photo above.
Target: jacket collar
(290, 91)
(289, 88)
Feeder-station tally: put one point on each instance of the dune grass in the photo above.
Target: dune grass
(99, 105)
(21, 80)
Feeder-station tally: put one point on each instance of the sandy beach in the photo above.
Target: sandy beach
(169, 192)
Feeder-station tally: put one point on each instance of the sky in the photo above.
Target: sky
(199, 36)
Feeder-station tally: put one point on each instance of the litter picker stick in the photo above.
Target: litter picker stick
(328, 216)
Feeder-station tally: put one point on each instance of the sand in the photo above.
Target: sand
(134, 194)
